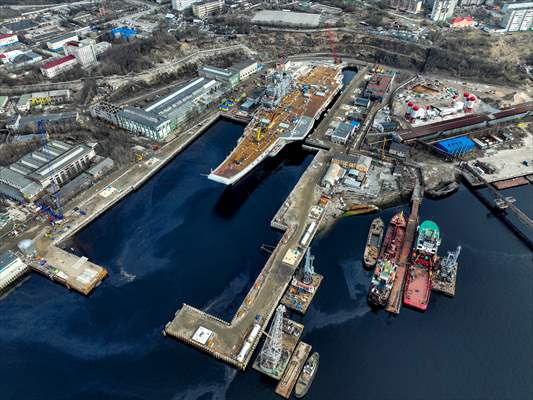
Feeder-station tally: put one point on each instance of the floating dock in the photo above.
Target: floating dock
(292, 372)
(291, 335)
(76, 273)
(298, 299)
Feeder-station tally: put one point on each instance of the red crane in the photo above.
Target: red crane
(332, 39)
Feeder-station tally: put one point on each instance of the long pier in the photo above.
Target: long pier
(228, 339)
(394, 303)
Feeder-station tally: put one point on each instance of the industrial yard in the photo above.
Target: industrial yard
(84, 126)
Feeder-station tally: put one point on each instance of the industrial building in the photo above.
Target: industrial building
(56, 44)
(29, 122)
(342, 133)
(8, 39)
(245, 69)
(442, 9)
(457, 146)
(157, 120)
(227, 76)
(50, 97)
(58, 66)
(25, 179)
(206, 8)
(517, 16)
(378, 86)
(11, 267)
(358, 162)
(23, 58)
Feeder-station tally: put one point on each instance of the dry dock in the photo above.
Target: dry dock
(298, 299)
(76, 273)
(289, 378)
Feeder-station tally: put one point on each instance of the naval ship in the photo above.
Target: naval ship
(289, 109)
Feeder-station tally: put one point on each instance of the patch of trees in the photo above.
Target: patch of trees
(9, 153)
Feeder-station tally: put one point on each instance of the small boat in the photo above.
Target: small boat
(360, 209)
(307, 375)
(373, 243)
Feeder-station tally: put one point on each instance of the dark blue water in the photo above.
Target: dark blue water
(182, 238)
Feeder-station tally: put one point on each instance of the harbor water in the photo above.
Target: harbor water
(182, 238)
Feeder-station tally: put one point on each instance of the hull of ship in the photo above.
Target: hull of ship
(273, 149)
(390, 250)
(418, 287)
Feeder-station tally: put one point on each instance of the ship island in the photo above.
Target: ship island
(293, 102)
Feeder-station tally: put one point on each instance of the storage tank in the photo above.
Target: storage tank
(469, 103)
(26, 246)
(409, 109)
(414, 111)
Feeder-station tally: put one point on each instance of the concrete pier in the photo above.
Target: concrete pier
(394, 303)
(76, 273)
(292, 372)
(299, 300)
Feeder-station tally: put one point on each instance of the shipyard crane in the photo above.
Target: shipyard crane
(273, 347)
(309, 268)
(57, 214)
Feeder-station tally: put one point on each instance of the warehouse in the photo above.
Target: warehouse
(17, 187)
(342, 133)
(29, 122)
(58, 161)
(145, 123)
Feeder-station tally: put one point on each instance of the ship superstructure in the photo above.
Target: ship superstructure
(418, 286)
(291, 105)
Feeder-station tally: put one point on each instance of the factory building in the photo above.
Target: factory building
(181, 5)
(57, 43)
(58, 66)
(159, 119)
(58, 161)
(8, 39)
(16, 186)
(517, 16)
(442, 10)
(206, 8)
(378, 86)
(245, 69)
(229, 77)
(50, 97)
(22, 58)
(18, 123)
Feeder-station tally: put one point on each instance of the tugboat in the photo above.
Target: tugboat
(373, 243)
(418, 285)
(385, 271)
(307, 375)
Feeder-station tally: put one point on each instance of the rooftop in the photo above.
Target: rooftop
(272, 17)
(143, 117)
(7, 259)
(58, 61)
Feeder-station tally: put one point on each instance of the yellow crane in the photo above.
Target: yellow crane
(258, 134)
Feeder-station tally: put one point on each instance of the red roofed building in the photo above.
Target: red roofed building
(7, 39)
(57, 66)
(378, 86)
(462, 22)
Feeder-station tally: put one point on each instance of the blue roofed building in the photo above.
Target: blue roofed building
(456, 146)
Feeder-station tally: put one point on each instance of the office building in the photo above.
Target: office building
(517, 17)
(55, 67)
(206, 8)
(442, 10)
